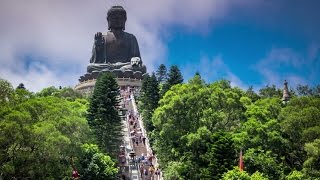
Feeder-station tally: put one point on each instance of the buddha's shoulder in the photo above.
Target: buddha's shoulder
(129, 34)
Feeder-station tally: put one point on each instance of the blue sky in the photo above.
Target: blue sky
(242, 47)
(249, 42)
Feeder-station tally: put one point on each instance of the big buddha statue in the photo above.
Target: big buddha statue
(115, 51)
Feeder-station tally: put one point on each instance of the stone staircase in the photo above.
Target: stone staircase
(133, 169)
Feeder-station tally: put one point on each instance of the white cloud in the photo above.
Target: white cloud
(211, 70)
(58, 34)
(285, 64)
(37, 77)
(282, 56)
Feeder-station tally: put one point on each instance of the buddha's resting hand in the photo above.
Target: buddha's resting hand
(98, 39)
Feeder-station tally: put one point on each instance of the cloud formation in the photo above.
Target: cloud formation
(285, 63)
(58, 34)
(212, 69)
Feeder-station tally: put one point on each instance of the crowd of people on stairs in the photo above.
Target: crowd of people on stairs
(144, 157)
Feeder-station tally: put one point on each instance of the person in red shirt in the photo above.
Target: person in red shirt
(75, 174)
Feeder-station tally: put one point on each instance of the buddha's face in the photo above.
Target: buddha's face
(116, 20)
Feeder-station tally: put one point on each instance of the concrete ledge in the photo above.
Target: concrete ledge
(86, 87)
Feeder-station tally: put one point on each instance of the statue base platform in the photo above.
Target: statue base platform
(117, 73)
(86, 87)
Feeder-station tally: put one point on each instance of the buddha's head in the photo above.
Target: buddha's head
(116, 17)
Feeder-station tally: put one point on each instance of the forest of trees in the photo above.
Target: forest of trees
(46, 135)
(198, 129)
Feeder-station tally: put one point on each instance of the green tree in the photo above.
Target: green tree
(258, 176)
(161, 73)
(96, 165)
(211, 154)
(6, 91)
(304, 90)
(300, 125)
(270, 91)
(311, 165)
(295, 175)
(316, 91)
(103, 116)
(21, 86)
(175, 171)
(264, 161)
(68, 93)
(174, 77)
(39, 135)
(6, 97)
(149, 99)
(49, 91)
(236, 174)
(261, 129)
(22, 95)
(190, 124)
(260, 135)
(251, 94)
(176, 116)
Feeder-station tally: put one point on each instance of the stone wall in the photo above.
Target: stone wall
(86, 87)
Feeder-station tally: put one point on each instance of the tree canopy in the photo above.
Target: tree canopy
(174, 77)
(42, 135)
(196, 129)
(200, 128)
(149, 98)
(103, 116)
